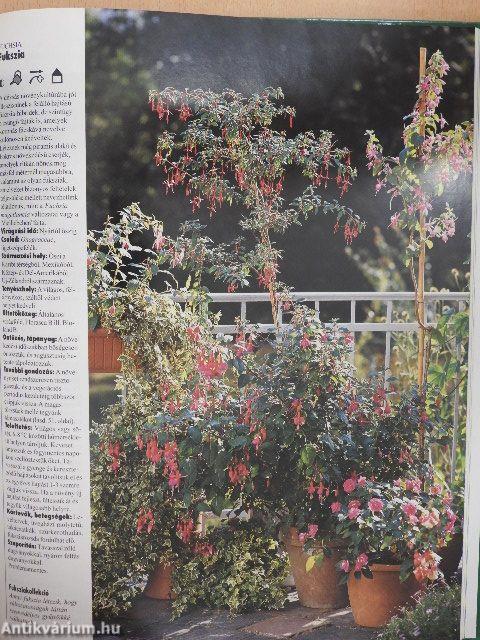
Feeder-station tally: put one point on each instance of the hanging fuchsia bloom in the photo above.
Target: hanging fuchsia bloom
(185, 529)
(305, 343)
(153, 453)
(298, 418)
(145, 521)
(159, 240)
(211, 367)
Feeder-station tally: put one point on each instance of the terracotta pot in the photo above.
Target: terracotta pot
(319, 588)
(451, 556)
(104, 347)
(159, 585)
(375, 601)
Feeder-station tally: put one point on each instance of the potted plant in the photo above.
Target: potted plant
(392, 533)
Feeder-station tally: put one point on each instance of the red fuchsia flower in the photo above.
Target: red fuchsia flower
(185, 529)
(194, 333)
(350, 232)
(352, 407)
(361, 561)
(349, 485)
(375, 505)
(298, 418)
(232, 287)
(114, 452)
(184, 113)
(305, 343)
(336, 507)
(243, 345)
(426, 565)
(153, 453)
(259, 437)
(211, 367)
(311, 489)
(238, 472)
(345, 566)
(145, 520)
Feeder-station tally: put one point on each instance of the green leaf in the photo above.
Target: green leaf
(310, 563)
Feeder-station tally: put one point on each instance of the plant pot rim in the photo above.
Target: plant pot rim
(291, 538)
(379, 568)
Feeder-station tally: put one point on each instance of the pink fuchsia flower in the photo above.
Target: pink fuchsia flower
(430, 519)
(425, 565)
(312, 530)
(353, 513)
(305, 342)
(436, 490)
(375, 505)
(349, 485)
(345, 566)
(159, 240)
(361, 481)
(410, 508)
(336, 507)
(361, 561)
(185, 529)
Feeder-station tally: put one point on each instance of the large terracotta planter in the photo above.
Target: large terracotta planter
(319, 588)
(159, 585)
(375, 601)
(451, 556)
(104, 347)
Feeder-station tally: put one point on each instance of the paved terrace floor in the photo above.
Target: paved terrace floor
(151, 620)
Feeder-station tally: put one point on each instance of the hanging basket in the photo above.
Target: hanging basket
(104, 348)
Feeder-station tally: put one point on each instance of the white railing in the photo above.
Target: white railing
(383, 323)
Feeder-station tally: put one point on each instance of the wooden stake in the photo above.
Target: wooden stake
(420, 293)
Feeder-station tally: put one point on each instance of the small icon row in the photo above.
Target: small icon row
(36, 75)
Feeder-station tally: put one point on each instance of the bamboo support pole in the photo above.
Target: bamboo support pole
(420, 293)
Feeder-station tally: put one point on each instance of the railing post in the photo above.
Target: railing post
(456, 406)
(353, 319)
(388, 341)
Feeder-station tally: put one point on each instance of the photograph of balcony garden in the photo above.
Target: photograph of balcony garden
(278, 263)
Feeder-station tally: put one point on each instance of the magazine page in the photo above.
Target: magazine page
(238, 273)
(45, 443)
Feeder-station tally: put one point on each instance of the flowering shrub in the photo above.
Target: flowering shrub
(435, 616)
(237, 566)
(397, 523)
(433, 158)
(226, 150)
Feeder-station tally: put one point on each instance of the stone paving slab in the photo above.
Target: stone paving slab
(151, 620)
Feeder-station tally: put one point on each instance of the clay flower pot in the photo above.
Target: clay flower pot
(159, 585)
(318, 588)
(375, 601)
(104, 347)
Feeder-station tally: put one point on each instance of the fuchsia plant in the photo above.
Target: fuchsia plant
(227, 149)
(426, 166)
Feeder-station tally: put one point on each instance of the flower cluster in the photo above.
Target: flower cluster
(400, 523)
